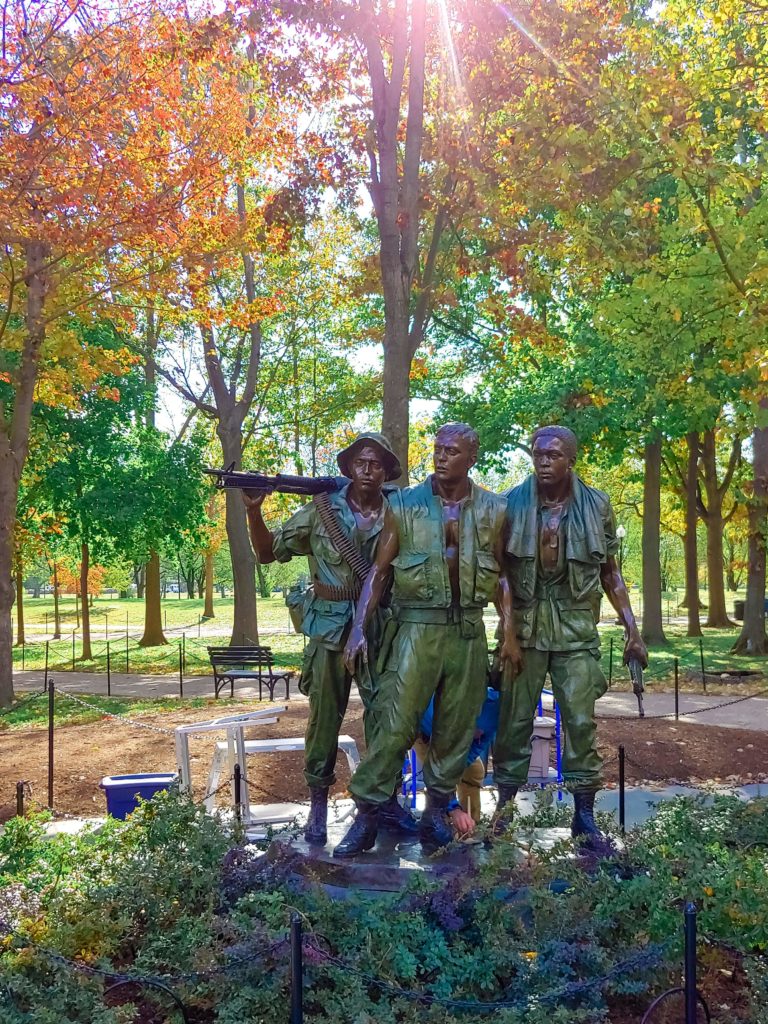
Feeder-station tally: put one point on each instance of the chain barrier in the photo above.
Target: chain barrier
(110, 714)
(684, 714)
(133, 977)
(652, 956)
(21, 704)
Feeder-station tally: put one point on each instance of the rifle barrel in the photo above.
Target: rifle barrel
(285, 483)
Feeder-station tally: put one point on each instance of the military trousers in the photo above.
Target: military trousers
(327, 683)
(577, 682)
(447, 660)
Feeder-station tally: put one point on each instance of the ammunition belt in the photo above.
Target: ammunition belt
(329, 593)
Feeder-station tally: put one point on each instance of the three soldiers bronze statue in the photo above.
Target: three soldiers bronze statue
(400, 578)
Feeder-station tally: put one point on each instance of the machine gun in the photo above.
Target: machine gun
(281, 482)
(636, 675)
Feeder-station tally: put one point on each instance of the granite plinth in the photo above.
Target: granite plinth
(395, 860)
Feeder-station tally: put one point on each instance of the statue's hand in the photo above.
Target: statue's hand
(511, 656)
(253, 499)
(357, 647)
(635, 648)
(463, 822)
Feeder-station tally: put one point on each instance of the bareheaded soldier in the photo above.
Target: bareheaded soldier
(357, 510)
(561, 551)
(442, 542)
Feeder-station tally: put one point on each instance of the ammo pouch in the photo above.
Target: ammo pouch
(296, 602)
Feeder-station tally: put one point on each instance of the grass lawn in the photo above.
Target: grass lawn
(184, 629)
(31, 711)
(179, 614)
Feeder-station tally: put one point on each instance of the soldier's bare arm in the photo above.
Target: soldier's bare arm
(616, 592)
(261, 536)
(373, 591)
(510, 654)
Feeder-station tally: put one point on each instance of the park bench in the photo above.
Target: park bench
(249, 662)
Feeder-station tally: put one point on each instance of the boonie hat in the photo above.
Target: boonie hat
(391, 462)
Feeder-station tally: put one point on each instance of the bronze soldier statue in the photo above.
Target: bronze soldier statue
(443, 541)
(357, 511)
(561, 549)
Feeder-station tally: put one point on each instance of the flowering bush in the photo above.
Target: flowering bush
(166, 894)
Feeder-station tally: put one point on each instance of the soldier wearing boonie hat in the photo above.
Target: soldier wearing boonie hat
(329, 608)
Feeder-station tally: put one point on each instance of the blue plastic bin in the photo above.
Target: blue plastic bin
(124, 791)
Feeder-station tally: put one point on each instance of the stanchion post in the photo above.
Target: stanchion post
(127, 655)
(181, 670)
(297, 972)
(610, 663)
(237, 775)
(703, 670)
(677, 689)
(50, 742)
(45, 678)
(691, 996)
(23, 654)
(19, 799)
(199, 620)
(622, 790)
(184, 650)
(109, 673)
(73, 650)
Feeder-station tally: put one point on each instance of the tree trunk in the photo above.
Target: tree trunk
(87, 654)
(77, 611)
(140, 577)
(153, 635)
(653, 626)
(717, 616)
(20, 638)
(263, 584)
(208, 612)
(14, 445)
(56, 605)
(752, 639)
(8, 489)
(689, 540)
(731, 582)
(245, 625)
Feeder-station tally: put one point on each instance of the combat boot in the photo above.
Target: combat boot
(434, 830)
(505, 810)
(361, 836)
(397, 820)
(315, 831)
(584, 824)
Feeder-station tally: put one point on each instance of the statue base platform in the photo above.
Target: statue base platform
(395, 860)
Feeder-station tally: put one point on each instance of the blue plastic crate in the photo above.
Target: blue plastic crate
(123, 792)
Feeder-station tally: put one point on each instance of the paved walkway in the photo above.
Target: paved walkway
(134, 685)
(746, 714)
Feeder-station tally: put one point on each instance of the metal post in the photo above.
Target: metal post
(622, 814)
(184, 650)
(181, 670)
(703, 670)
(45, 679)
(165, 618)
(610, 663)
(199, 620)
(46, 623)
(50, 743)
(690, 964)
(23, 654)
(297, 972)
(238, 779)
(20, 799)
(73, 650)
(127, 656)
(109, 673)
(677, 689)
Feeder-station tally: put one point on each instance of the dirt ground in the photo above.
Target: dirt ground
(657, 750)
